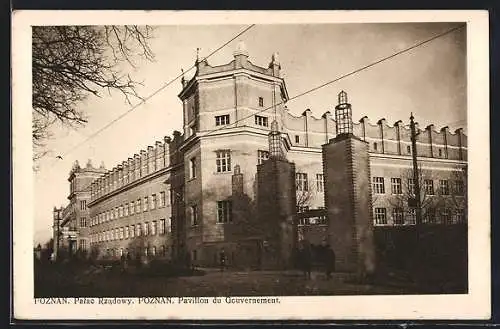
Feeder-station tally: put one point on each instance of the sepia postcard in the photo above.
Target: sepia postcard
(222, 165)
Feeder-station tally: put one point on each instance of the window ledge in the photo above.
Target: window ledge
(223, 172)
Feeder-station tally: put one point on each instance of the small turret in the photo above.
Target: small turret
(343, 115)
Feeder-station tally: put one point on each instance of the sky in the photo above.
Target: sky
(430, 81)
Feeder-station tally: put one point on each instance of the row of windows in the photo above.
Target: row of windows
(222, 120)
(400, 217)
(129, 232)
(151, 251)
(223, 161)
(224, 213)
(302, 183)
(150, 203)
(428, 188)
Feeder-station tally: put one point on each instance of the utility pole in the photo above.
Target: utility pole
(416, 179)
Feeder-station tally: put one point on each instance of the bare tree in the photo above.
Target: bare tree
(403, 199)
(69, 63)
(432, 198)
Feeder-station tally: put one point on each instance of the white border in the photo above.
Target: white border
(475, 305)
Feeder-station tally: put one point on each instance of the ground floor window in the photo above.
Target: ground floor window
(380, 216)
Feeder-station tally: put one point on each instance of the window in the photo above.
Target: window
(194, 215)
(301, 182)
(126, 232)
(83, 222)
(319, 182)
(153, 227)
(153, 201)
(375, 146)
(146, 204)
(83, 245)
(378, 185)
(444, 188)
(111, 214)
(146, 228)
(262, 156)
(396, 186)
(168, 225)
(121, 233)
(132, 231)
(162, 199)
(429, 186)
(83, 204)
(192, 168)
(162, 227)
(459, 216)
(412, 216)
(261, 101)
(153, 251)
(440, 153)
(430, 215)
(125, 210)
(162, 251)
(459, 187)
(297, 139)
(445, 216)
(380, 216)
(261, 121)
(224, 212)
(221, 120)
(116, 212)
(131, 207)
(408, 149)
(397, 216)
(138, 230)
(120, 212)
(223, 160)
(411, 186)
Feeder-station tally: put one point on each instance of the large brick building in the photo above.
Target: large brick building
(198, 192)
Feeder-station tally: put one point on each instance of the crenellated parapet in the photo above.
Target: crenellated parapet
(147, 162)
(87, 169)
(396, 140)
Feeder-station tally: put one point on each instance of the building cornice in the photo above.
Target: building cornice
(134, 184)
(419, 158)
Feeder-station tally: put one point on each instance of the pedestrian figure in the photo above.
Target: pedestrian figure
(329, 261)
(222, 260)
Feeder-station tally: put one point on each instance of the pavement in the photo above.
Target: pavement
(212, 283)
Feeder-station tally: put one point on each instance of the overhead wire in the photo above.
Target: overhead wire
(416, 45)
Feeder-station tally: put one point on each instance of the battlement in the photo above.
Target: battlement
(240, 61)
(306, 130)
(145, 163)
(89, 168)
(396, 139)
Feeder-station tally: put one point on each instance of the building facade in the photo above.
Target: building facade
(179, 197)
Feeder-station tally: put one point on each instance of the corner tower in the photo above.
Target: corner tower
(228, 110)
